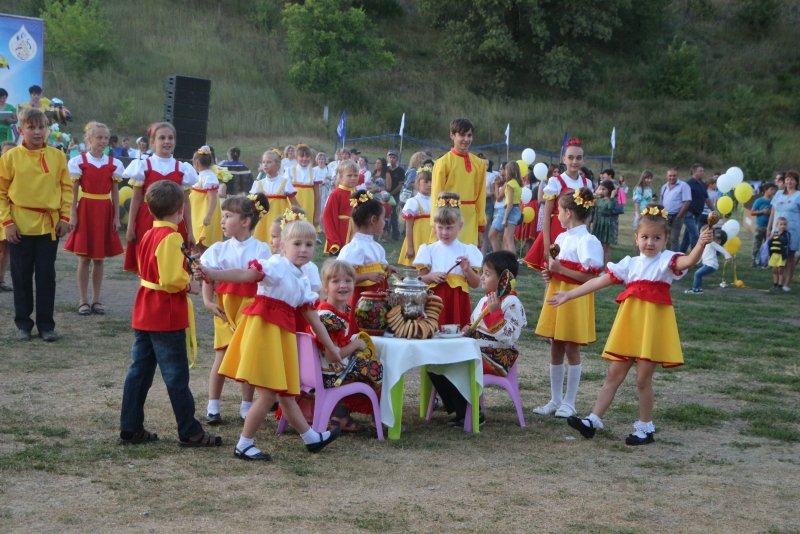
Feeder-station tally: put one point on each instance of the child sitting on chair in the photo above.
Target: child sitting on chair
(497, 333)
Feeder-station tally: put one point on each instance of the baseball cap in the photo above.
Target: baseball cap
(391, 153)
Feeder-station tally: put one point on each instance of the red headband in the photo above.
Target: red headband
(574, 142)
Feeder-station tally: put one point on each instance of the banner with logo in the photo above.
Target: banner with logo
(21, 56)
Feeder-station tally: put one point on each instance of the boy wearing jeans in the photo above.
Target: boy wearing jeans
(710, 263)
(761, 209)
(160, 320)
(35, 200)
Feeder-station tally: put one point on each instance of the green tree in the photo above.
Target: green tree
(677, 75)
(325, 41)
(79, 31)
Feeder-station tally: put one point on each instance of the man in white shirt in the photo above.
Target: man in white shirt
(675, 197)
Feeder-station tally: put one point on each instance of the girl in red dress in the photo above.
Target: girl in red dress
(94, 216)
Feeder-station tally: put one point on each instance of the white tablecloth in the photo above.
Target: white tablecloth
(443, 356)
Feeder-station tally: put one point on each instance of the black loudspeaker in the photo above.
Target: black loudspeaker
(186, 107)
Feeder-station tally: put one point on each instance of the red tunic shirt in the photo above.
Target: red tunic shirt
(336, 219)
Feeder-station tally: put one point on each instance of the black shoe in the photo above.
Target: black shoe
(633, 439)
(262, 456)
(23, 335)
(577, 423)
(458, 419)
(481, 421)
(213, 419)
(49, 335)
(314, 448)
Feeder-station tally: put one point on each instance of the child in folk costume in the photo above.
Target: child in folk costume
(279, 190)
(579, 260)
(645, 331)
(557, 186)
(497, 333)
(263, 350)
(460, 172)
(287, 158)
(435, 260)
(328, 180)
(4, 256)
(337, 214)
(141, 174)
(416, 208)
(239, 218)
(338, 281)
(203, 197)
(94, 220)
(364, 253)
(306, 180)
(160, 319)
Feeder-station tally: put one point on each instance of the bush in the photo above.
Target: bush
(758, 16)
(677, 75)
(125, 115)
(744, 110)
(265, 14)
(380, 9)
(79, 32)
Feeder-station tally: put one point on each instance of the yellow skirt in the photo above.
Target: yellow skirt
(305, 197)
(263, 355)
(233, 306)
(776, 260)
(644, 331)
(205, 235)
(277, 207)
(420, 233)
(572, 322)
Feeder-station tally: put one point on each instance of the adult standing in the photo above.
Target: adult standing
(37, 100)
(699, 200)
(394, 184)
(675, 197)
(786, 204)
(5, 124)
(762, 208)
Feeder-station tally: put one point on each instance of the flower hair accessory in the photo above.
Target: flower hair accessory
(222, 173)
(88, 125)
(204, 150)
(259, 208)
(574, 142)
(580, 201)
(301, 145)
(364, 197)
(655, 211)
(451, 202)
(427, 168)
(278, 152)
(290, 216)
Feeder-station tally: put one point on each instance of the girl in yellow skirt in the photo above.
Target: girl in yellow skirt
(263, 350)
(239, 217)
(418, 207)
(279, 190)
(203, 199)
(580, 259)
(645, 330)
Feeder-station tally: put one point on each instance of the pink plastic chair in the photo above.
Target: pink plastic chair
(509, 382)
(326, 399)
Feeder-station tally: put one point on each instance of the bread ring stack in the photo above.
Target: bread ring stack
(417, 327)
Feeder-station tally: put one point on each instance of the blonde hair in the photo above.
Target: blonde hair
(33, 117)
(417, 160)
(346, 165)
(298, 230)
(425, 174)
(159, 125)
(287, 148)
(330, 269)
(447, 215)
(90, 128)
(272, 154)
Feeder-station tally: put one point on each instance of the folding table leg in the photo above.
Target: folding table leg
(397, 407)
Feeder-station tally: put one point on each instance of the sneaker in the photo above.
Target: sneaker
(786, 289)
(775, 289)
(23, 335)
(49, 335)
(548, 409)
(586, 431)
(633, 439)
(565, 410)
(213, 419)
(693, 291)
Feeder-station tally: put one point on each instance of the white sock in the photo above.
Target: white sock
(244, 408)
(244, 443)
(642, 429)
(556, 384)
(213, 406)
(311, 437)
(573, 381)
(594, 419)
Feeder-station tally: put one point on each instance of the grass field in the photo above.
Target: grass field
(725, 457)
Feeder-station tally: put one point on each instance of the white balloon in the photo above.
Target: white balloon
(724, 183)
(528, 156)
(540, 171)
(731, 228)
(737, 175)
(527, 195)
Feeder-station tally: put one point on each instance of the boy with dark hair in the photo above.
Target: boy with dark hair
(460, 172)
(761, 209)
(35, 201)
(113, 143)
(497, 333)
(160, 319)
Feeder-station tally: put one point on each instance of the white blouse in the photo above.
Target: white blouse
(135, 171)
(287, 163)
(75, 171)
(207, 180)
(655, 269)
(284, 281)
(311, 271)
(272, 186)
(505, 334)
(553, 187)
(418, 205)
(579, 246)
(235, 254)
(304, 175)
(438, 257)
(362, 250)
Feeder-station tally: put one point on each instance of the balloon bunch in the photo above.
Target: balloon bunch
(732, 180)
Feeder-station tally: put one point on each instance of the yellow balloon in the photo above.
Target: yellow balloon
(528, 214)
(743, 192)
(733, 245)
(124, 194)
(725, 205)
(523, 168)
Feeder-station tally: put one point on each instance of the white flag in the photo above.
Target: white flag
(508, 132)
(402, 124)
(614, 137)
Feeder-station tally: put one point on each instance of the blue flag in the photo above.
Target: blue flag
(342, 128)
(566, 138)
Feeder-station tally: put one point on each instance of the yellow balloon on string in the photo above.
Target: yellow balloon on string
(725, 205)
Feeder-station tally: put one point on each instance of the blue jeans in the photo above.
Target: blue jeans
(692, 232)
(705, 270)
(168, 351)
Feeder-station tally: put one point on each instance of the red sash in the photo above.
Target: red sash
(243, 290)
(647, 290)
(273, 311)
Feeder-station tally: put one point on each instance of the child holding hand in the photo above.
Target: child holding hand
(203, 198)
(415, 208)
(645, 331)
